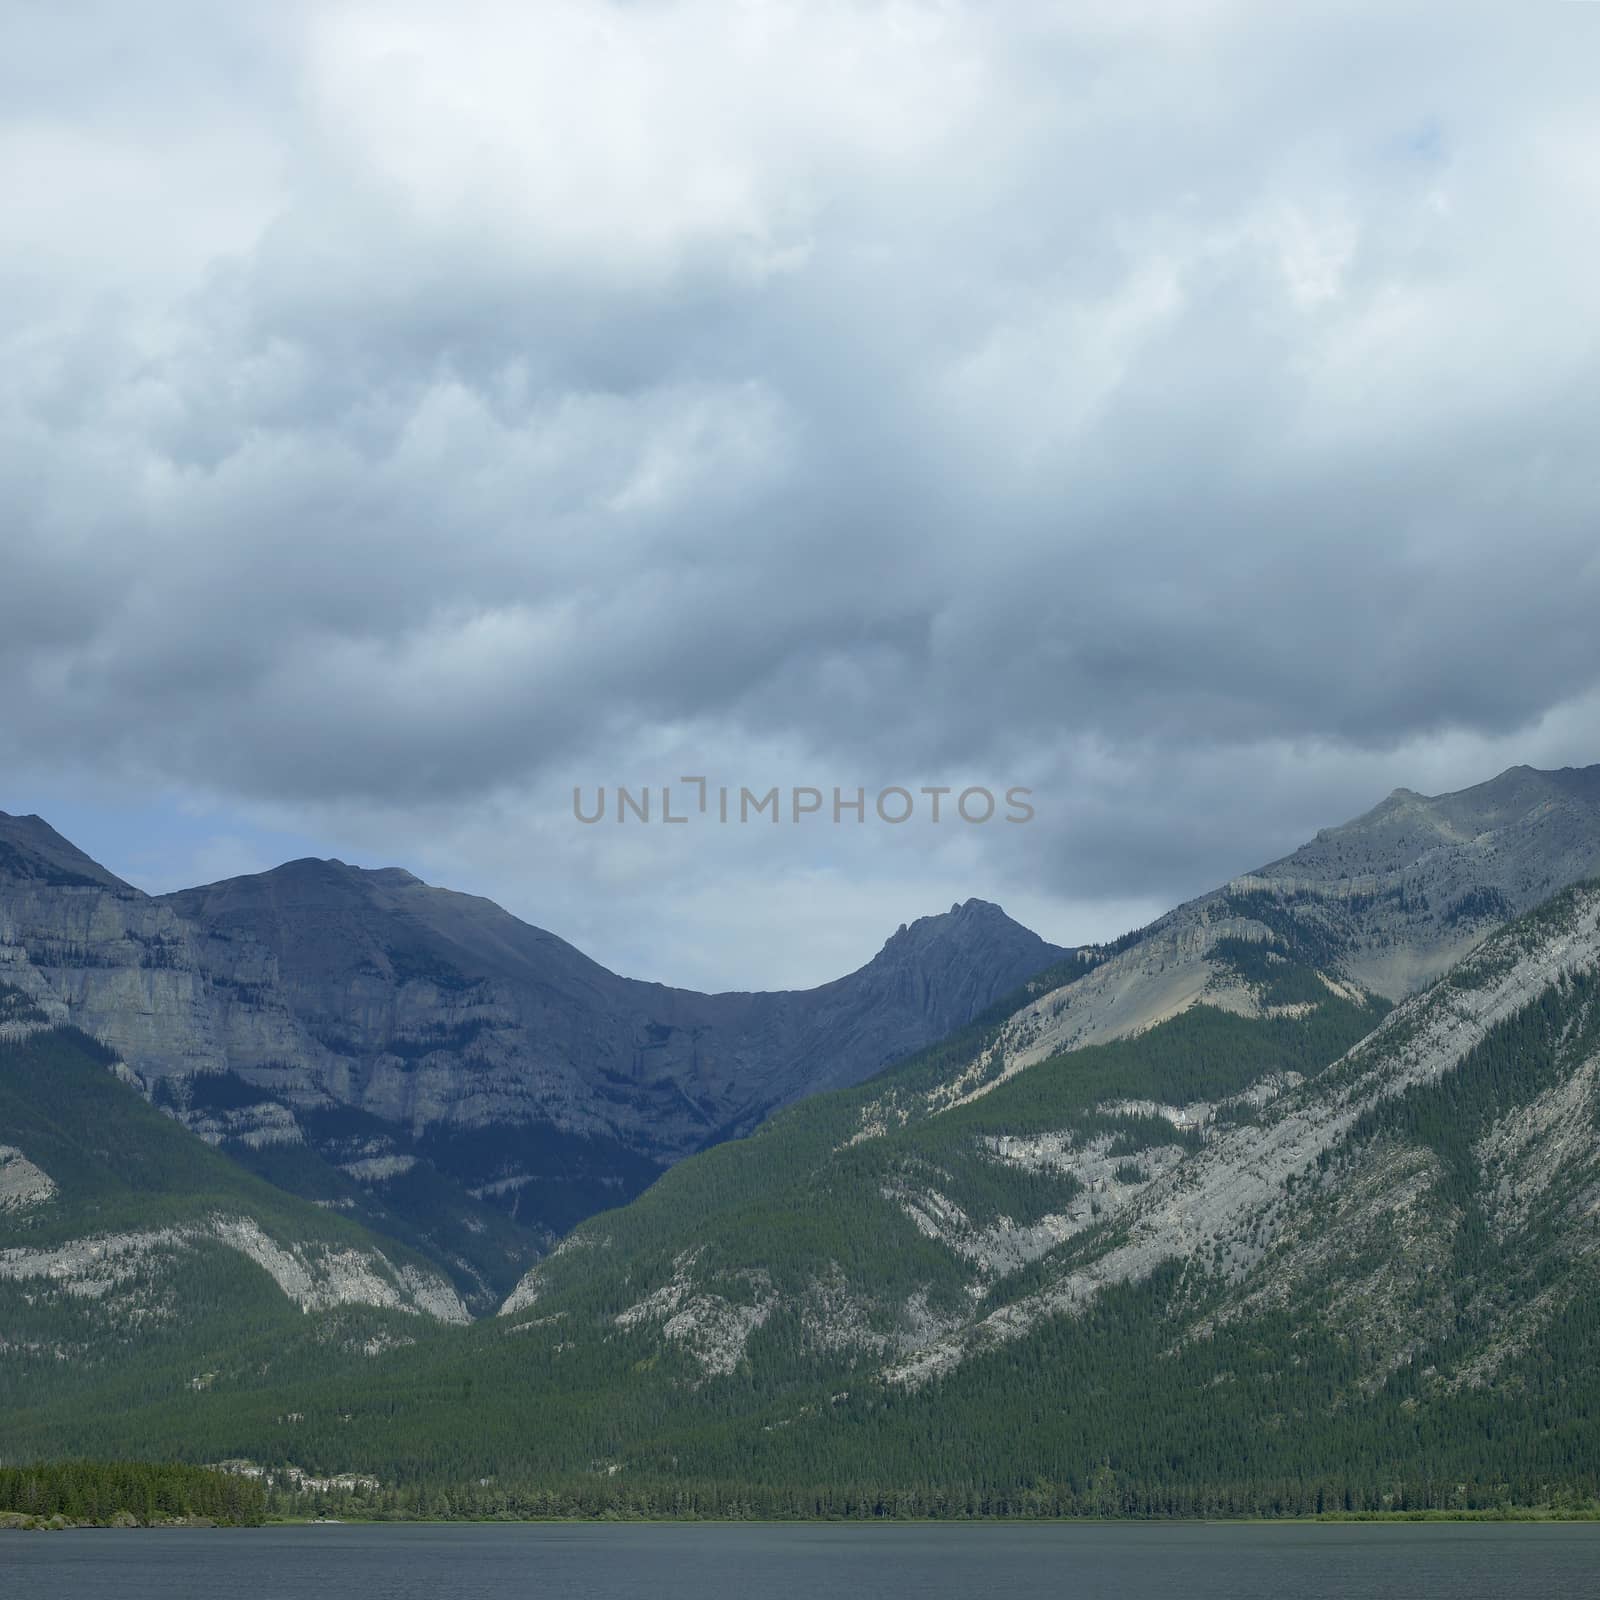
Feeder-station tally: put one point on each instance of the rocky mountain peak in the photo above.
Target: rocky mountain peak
(966, 921)
(948, 967)
(1546, 824)
(970, 932)
(32, 851)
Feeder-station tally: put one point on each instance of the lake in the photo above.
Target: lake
(1472, 1561)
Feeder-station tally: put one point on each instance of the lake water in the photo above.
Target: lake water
(701, 1562)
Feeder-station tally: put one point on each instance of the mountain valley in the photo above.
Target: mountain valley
(1287, 1202)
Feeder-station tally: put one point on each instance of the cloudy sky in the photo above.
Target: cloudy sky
(411, 412)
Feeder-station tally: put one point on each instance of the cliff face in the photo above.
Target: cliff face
(92, 950)
(389, 1029)
(424, 1007)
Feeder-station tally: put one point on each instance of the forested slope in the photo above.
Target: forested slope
(1287, 1252)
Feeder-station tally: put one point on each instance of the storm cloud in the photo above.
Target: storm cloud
(410, 413)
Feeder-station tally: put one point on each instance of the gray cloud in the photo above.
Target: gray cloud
(1184, 409)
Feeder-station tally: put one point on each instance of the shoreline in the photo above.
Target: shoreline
(1528, 1515)
(18, 1522)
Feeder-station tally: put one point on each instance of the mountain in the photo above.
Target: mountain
(441, 1071)
(402, 983)
(33, 853)
(1288, 1244)
(1227, 1266)
(1411, 885)
(1279, 1261)
(1388, 901)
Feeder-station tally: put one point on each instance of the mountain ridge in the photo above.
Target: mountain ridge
(423, 1058)
(1328, 1255)
(1290, 1245)
(1391, 899)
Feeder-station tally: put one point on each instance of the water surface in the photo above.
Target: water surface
(1127, 1561)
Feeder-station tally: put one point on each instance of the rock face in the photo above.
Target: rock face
(372, 1022)
(424, 1007)
(22, 1184)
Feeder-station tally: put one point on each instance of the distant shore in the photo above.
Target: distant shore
(1497, 1514)
(16, 1521)
(21, 1522)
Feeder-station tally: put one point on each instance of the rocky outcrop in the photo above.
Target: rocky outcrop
(318, 1276)
(22, 1184)
(315, 1276)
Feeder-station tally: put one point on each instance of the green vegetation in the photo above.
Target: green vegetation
(126, 1493)
(164, 1322)
(120, 1163)
(15, 1006)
